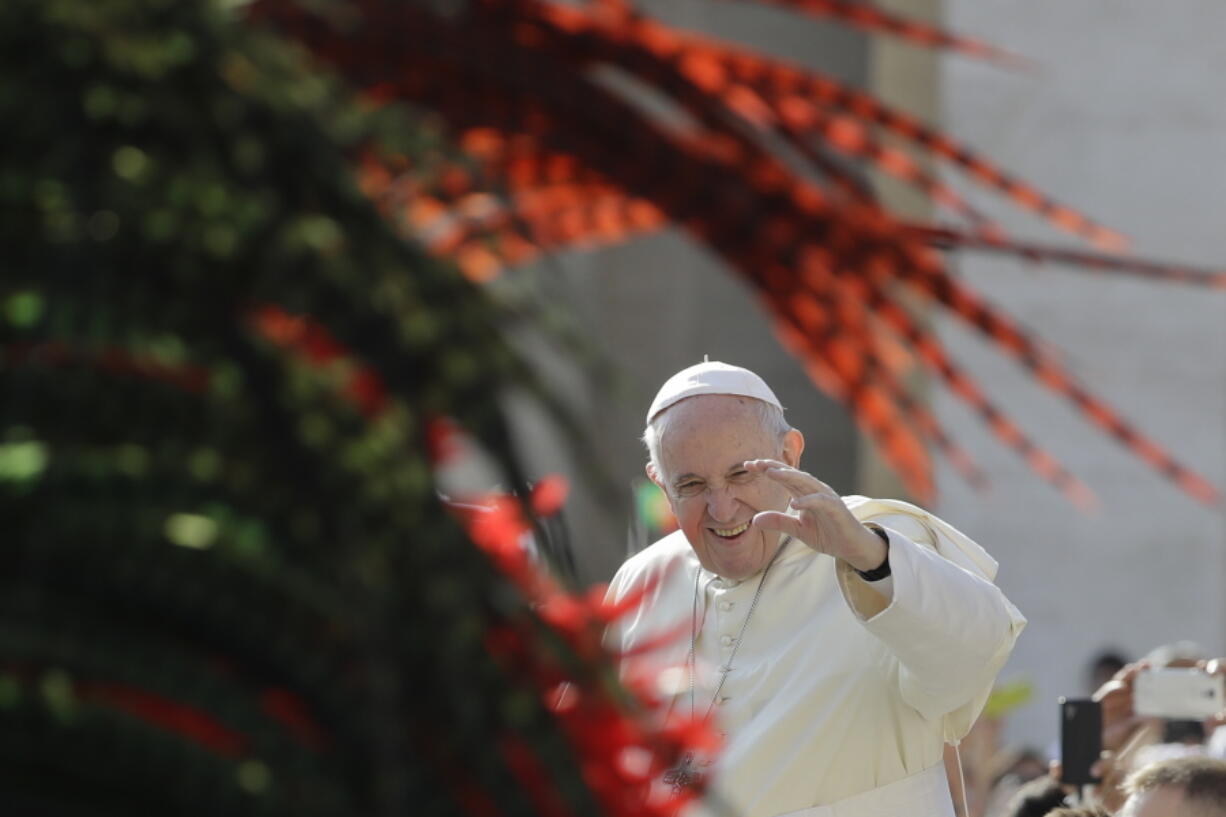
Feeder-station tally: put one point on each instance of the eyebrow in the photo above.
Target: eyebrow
(739, 465)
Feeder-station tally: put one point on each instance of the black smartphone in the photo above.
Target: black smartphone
(1081, 739)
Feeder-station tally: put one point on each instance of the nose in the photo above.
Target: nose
(721, 503)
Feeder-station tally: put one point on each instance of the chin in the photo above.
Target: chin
(749, 559)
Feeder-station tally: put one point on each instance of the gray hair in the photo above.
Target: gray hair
(1201, 779)
(769, 417)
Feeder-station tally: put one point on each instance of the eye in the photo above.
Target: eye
(691, 487)
(740, 475)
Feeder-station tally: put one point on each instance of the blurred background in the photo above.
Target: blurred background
(214, 206)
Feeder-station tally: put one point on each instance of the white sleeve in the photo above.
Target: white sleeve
(950, 629)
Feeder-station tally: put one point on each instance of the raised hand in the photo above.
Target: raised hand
(817, 516)
(1214, 666)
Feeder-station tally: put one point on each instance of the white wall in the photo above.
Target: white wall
(1125, 117)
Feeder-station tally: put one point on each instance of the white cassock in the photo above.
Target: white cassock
(839, 700)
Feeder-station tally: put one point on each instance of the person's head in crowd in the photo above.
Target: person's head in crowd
(1025, 765)
(1036, 798)
(1183, 732)
(1182, 787)
(1103, 667)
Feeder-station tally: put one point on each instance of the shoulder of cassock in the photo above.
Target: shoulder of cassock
(654, 561)
(924, 528)
(921, 527)
(662, 573)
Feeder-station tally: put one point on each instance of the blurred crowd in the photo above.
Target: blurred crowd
(1142, 766)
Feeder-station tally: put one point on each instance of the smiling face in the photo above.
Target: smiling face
(703, 446)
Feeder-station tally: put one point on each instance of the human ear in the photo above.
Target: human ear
(653, 474)
(793, 447)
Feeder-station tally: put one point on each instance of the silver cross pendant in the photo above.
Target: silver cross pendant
(683, 776)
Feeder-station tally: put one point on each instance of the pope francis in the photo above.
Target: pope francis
(837, 642)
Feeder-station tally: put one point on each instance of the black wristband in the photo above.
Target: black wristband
(882, 570)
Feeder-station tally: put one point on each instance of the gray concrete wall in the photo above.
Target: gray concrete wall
(1125, 117)
(905, 77)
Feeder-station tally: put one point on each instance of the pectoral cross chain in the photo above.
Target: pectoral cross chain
(683, 776)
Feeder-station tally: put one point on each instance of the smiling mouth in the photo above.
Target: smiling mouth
(730, 533)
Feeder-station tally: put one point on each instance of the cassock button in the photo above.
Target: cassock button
(726, 640)
(725, 606)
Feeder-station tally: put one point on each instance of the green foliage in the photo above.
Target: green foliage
(199, 521)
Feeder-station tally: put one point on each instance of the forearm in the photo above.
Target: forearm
(950, 629)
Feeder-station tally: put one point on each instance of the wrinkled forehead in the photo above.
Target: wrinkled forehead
(715, 428)
(708, 407)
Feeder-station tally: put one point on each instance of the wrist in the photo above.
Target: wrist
(875, 564)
